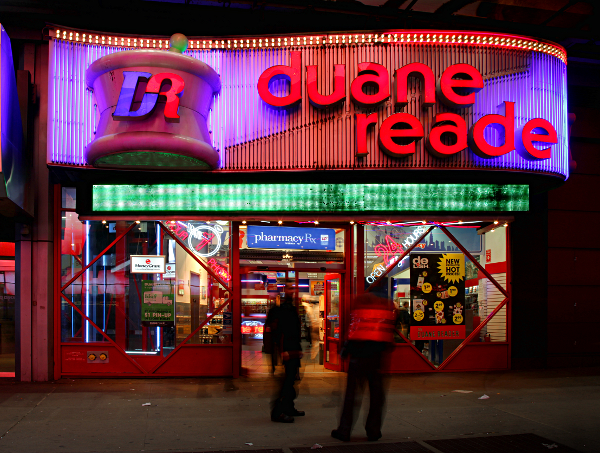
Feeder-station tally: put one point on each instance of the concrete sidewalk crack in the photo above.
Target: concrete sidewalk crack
(28, 412)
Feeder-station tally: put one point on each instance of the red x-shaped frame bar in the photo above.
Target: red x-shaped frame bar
(110, 340)
(479, 266)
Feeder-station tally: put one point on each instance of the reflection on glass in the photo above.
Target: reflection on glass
(420, 316)
(333, 308)
(144, 313)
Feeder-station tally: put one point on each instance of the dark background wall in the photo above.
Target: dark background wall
(573, 239)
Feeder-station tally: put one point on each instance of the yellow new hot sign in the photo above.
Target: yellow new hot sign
(452, 267)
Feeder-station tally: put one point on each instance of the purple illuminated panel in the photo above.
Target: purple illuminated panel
(250, 135)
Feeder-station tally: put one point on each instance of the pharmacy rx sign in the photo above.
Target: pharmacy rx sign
(456, 88)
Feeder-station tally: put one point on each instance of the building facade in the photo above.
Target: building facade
(186, 188)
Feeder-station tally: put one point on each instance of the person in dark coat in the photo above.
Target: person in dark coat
(289, 334)
(370, 334)
(270, 336)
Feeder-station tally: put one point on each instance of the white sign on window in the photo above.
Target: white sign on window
(148, 264)
(170, 272)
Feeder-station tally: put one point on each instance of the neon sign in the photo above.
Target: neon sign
(131, 81)
(456, 88)
(391, 250)
(219, 270)
(199, 236)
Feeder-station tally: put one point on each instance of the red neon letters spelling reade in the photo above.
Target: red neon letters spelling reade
(456, 88)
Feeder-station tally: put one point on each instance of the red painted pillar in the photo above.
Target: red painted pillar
(234, 265)
(121, 333)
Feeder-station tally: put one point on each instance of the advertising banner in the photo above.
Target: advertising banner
(158, 308)
(148, 264)
(317, 288)
(437, 287)
(292, 238)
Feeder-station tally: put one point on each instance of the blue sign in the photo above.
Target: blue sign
(269, 237)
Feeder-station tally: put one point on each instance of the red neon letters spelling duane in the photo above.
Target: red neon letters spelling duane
(463, 77)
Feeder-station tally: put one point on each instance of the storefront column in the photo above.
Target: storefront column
(34, 248)
(23, 276)
(360, 259)
(236, 309)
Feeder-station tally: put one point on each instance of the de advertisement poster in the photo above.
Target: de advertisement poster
(158, 308)
(437, 288)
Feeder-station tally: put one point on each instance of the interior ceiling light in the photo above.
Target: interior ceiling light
(244, 222)
(103, 222)
(280, 222)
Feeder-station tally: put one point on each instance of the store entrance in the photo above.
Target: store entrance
(317, 297)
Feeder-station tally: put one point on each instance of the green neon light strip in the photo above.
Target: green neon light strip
(328, 198)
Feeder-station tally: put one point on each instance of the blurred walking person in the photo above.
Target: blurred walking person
(370, 333)
(289, 338)
(270, 334)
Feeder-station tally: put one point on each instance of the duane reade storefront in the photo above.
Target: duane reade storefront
(201, 177)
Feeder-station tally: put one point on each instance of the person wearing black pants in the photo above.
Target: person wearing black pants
(289, 332)
(370, 333)
(364, 366)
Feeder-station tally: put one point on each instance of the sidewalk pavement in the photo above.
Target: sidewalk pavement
(551, 409)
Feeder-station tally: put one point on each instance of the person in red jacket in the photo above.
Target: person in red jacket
(370, 333)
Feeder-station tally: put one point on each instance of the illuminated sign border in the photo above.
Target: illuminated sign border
(324, 198)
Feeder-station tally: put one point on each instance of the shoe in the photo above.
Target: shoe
(374, 438)
(336, 434)
(297, 413)
(282, 418)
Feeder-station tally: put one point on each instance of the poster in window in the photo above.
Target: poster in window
(437, 289)
(158, 308)
(317, 288)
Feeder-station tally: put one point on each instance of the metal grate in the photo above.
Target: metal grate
(371, 447)
(514, 443)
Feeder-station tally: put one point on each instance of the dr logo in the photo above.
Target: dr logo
(132, 79)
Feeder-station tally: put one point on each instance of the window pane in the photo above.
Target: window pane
(198, 294)
(68, 197)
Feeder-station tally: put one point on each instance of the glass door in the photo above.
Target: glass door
(332, 346)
